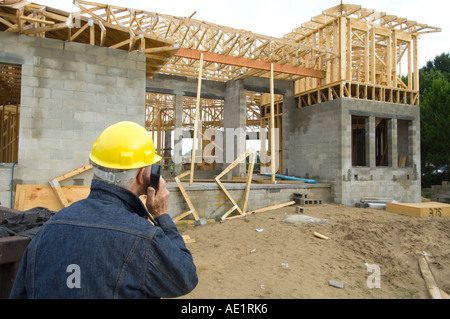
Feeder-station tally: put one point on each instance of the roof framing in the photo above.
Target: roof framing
(357, 12)
(219, 41)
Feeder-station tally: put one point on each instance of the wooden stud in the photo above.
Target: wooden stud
(197, 111)
(272, 126)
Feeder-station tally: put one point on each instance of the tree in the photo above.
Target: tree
(435, 117)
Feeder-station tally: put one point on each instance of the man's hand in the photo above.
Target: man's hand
(157, 204)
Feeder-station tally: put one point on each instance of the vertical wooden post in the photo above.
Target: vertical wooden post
(349, 51)
(410, 66)
(416, 63)
(342, 48)
(92, 32)
(394, 57)
(197, 110)
(366, 59)
(391, 67)
(272, 125)
(373, 53)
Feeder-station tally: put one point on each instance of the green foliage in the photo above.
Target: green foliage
(435, 119)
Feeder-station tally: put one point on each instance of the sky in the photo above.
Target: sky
(276, 18)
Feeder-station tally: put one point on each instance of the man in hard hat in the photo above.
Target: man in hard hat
(105, 246)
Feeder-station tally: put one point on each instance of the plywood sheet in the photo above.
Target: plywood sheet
(425, 209)
(29, 196)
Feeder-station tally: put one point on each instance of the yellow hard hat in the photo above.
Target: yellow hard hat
(124, 145)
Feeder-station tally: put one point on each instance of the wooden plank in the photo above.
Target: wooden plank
(187, 239)
(271, 207)
(30, 196)
(59, 193)
(432, 287)
(272, 126)
(264, 209)
(318, 235)
(186, 198)
(75, 172)
(248, 63)
(228, 195)
(249, 181)
(197, 111)
(426, 209)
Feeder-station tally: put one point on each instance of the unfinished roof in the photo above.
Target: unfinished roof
(173, 45)
(358, 13)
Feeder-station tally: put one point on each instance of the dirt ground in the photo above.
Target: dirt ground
(286, 261)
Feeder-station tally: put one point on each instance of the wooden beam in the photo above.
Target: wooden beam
(432, 287)
(249, 181)
(272, 126)
(197, 111)
(249, 63)
(186, 198)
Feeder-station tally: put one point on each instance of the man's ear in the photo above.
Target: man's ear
(141, 176)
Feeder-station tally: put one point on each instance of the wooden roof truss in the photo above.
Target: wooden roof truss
(232, 52)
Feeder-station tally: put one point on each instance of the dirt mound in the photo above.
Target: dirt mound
(260, 256)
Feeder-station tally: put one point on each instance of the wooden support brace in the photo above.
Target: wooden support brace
(197, 110)
(186, 198)
(59, 192)
(249, 181)
(54, 183)
(271, 207)
(236, 162)
(272, 126)
(242, 157)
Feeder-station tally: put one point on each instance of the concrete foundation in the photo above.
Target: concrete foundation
(261, 195)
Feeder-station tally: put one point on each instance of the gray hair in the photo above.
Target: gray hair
(119, 177)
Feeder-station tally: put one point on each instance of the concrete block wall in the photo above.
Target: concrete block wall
(314, 141)
(399, 183)
(441, 193)
(260, 196)
(70, 93)
(320, 138)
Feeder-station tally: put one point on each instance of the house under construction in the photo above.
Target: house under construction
(336, 100)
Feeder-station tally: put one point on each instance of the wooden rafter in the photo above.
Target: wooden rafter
(85, 27)
(203, 36)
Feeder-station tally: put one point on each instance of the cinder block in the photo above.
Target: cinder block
(299, 209)
(310, 201)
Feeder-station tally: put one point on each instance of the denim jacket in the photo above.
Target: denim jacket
(103, 247)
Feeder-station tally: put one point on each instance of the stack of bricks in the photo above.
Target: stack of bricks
(306, 199)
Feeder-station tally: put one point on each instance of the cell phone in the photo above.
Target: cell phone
(154, 176)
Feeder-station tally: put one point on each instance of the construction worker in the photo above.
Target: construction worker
(109, 245)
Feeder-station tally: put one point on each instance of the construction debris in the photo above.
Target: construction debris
(336, 284)
(432, 286)
(320, 236)
(306, 199)
(303, 219)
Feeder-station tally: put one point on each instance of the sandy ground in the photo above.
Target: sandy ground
(235, 261)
